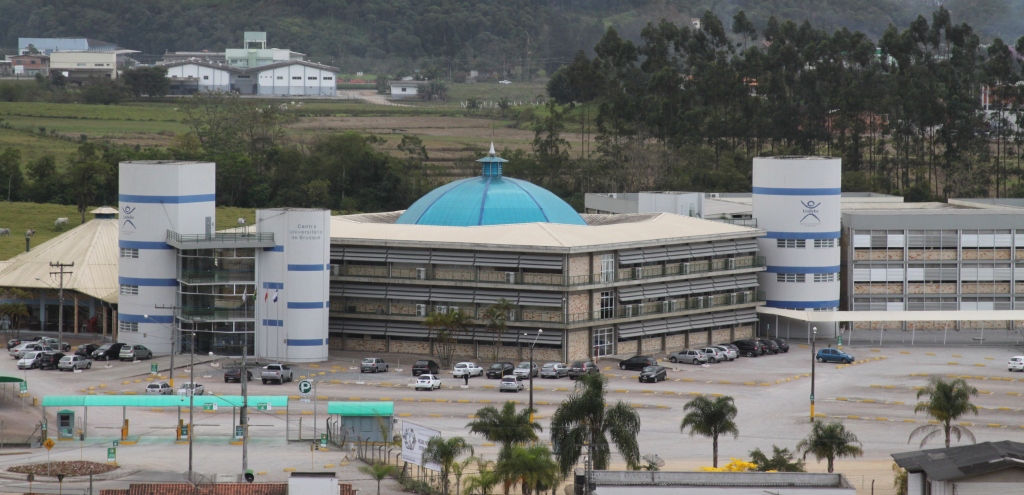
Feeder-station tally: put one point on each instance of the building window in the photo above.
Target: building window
(824, 243)
(790, 243)
(297, 77)
(403, 90)
(129, 253)
(608, 267)
(125, 326)
(100, 65)
(80, 64)
(604, 338)
(607, 305)
(206, 78)
(790, 277)
(311, 78)
(129, 290)
(328, 78)
(280, 77)
(824, 277)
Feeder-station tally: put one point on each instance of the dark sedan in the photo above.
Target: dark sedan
(498, 370)
(783, 345)
(580, 368)
(235, 375)
(637, 363)
(653, 374)
(86, 350)
(49, 360)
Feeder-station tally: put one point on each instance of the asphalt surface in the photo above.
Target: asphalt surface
(874, 397)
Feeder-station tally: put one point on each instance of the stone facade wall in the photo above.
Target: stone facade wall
(408, 347)
(931, 288)
(595, 267)
(626, 347)
(454, 273)
(721, 336)
(877, 325)
(698, 338)
(744, 332)
(579, 265)
(652, 345)
(366, 271)
(675, 342)
(985, 254)
(984, 288)
(369, 345)
(367, 307)
(878, 255)
(541, 315)
(542, 278)
(579, 345)
(578, 304)
(335, 343)
(931, 254)
(893, 288)
(988, 325)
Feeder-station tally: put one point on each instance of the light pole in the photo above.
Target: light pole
(539, 331)
(191, 398)
(60, 296)
(174, 345)
(814, 359)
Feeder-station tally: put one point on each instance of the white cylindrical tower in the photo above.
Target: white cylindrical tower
(295, 272)
(797, 200)
(154, 197)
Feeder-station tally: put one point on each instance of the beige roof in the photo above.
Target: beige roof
(645, 230)
(844, 316)
(104, 210)
(92, 247)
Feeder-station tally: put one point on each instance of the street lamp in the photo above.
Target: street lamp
(60, 312)
(191, 398)
(174, 346)
(539, 331)
(814, 359)
(244, 408)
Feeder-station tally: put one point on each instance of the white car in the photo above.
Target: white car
(467, 368)
(1016, 363)
(74, 363)
(713, 354)
(29, 360)
(428, 382)
(159, 388)
(19, 351)
(511, 384)
(504, 81)
(188, 387)
(525, 369)
(728, 352)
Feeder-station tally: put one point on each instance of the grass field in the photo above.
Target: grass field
(20, 217)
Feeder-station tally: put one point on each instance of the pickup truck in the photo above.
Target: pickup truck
(276, 373)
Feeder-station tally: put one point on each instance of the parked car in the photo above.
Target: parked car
(498, 370)
(373, 365)
(428, 381)
(653, 374)
(688, 356)
(467, 368)
(783, 345)
(580, 368)
(74, 363)
(134, 352)
(276, 372)
(106, 352)
(235, 375)
(29, 360)
(526, 369)
(86, 350)
(749, 348)
(830, 355)
(190, 387)
(770, 347)
(511, 383)
(49, 360)
(56, 345)
(159, 388)
(637, 363)
(554, 370)
(12, 343)
(728, 351)
(19, 351)
(1016, 363)
(425, 366)
(713, 354)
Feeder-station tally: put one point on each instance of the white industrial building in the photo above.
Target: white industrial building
(193, 76)
(294, 78)
(405, 89)
(264, 289)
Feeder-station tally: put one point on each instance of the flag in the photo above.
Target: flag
(266, 295)
(275, 295)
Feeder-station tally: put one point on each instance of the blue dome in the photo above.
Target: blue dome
(489, 200)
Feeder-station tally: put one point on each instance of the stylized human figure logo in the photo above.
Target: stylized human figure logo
(128, 210)
(810, 210)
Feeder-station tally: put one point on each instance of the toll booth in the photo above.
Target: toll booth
(360, 421)
(65, 424)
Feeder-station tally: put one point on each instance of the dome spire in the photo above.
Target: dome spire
(492, 152)
(490, 165)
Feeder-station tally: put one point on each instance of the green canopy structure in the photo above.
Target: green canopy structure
(382, 408)
(10, 379)
(160, 400)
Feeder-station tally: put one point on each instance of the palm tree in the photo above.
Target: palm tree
(507, 427)
(947, 402)
(446, 453)
(829, 441)
(583, 419)
(497, 316)
(484, 480)
(458, 469)
(710, 418)
(378, 471)
(532, 467)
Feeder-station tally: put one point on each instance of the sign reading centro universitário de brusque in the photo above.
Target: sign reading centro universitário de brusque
(414, 442)
(306, 232)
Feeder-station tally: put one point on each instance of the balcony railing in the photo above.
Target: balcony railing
(206, 276)
(470, 274)
(555, 315)
(234, 239)
(208, 313)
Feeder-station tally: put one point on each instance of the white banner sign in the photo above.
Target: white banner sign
(414, 442)
(19, 69)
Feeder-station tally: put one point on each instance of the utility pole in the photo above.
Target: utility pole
(244, 378)
(60, 312)
(191, 400)
(174, 338)
(531, 370)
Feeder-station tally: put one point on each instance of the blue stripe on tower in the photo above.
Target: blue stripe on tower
(304, 342)
(148, 282)
(306, 305)
(188, 198)
(794, 191)
(130, 318)
(305, 268)
(273, 285)
(802, 235)
(273, 323)
(802, 269)
(276, 249)
(802, 304)
(143, 245)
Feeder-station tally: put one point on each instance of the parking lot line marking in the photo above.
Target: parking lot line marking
(282, 413)
(965, 423)
(488, 386)
(463, 401)
(485, 401)
(957, 355)
(434, 415)
(909, 421)
(696, 393)
(725, 382)
(904, 352)
(881, 419)
(353, 398)
(621, 391)
(853, 417)
(990, 358)
(876, 350)
(289, 470)
(929, 354)
(980, 364)
(636, 406)
(471, 416)
(408, 399)
(488, 444)
(307, 412)
(994, 425)
(952, 363)
(659, 406)
(749, 383)
(404, 415)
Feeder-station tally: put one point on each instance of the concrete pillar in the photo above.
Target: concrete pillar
(76, 313)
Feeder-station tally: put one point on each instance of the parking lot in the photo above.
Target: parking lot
(874, 396)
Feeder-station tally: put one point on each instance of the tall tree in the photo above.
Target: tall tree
(947, 402)
(496, 316)
(829, 441)
(711, 418)
(378, 471)
(446, 453)
(532, 467)
(507, 427)
(583, 419)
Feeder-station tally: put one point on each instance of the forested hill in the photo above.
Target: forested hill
(392, 35)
